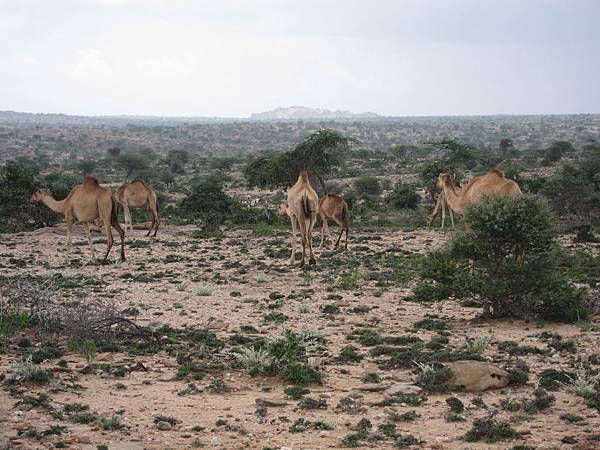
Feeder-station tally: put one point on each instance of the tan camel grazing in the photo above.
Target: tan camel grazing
(492, 184)
(441, 205)
(334, 207)
(86, 202)
(138, 194)
(301, 207)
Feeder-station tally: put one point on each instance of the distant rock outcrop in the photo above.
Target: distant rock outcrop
(302, 112)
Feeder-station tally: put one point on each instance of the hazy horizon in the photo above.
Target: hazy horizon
(183, 58)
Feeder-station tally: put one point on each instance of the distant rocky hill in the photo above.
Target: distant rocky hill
(302, 112)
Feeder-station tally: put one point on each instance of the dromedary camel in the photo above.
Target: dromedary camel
(87, 202)
(301, 206)
(441, 205)
(492, 183)
(137, 194)
(334, 207)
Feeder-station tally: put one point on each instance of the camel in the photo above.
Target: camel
(137, 194)
(301, 207)
(492, 183)
(86, 202)
(441, 205)
(334, 207)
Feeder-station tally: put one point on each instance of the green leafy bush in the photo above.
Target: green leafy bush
(481, 262)
(404, 196)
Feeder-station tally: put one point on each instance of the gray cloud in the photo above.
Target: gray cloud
(231, 58)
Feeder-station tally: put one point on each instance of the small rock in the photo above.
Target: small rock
(314, 361)
(163, 426)
(569, 440)
(403, 388)
(476, 376)
(83, 439)
(216, 441)
(271, 402)
(373, 387)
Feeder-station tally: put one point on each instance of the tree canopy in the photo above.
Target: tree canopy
(320, 154)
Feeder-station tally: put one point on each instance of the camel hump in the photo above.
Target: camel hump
(142, 182)
(497, 171)
(91, 181)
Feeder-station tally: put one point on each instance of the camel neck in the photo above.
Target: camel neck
(452, 198)
(55, 205)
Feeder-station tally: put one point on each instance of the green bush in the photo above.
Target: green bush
(481, 263)
(404, 196)
(367, 186)
(574, 191)
(208, 202)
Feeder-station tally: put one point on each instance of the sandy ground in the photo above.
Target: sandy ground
(240, 271)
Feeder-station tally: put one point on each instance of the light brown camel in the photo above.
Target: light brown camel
(137, 194)
(441, 205)
(86, 202)
(301, 207)
(492, 183)
(334, 207)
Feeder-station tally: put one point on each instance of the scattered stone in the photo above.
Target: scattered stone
(83, 439)
(163, 426)
(373, 387)
(569, 440)
(314, 361)
(270, 402)
(403, 388)
(216, 441)
(477, 376)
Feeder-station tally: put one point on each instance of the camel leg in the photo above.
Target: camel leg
(128, 221)
(323, 222)
(443, 216)
(303, 234)
(89, 236)
(106, 219)
(121, 232)
(311, 225)
(69, 220)
(451, 216)
(155, 219)
(293, 257)
(342, 228)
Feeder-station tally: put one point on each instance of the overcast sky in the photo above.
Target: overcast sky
(233, 57)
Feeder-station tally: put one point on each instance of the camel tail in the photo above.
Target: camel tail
(306, 207)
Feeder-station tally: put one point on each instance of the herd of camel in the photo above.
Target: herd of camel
(89, 202)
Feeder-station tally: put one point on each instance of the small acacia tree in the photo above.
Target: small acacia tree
(480, 263)
(320, 153)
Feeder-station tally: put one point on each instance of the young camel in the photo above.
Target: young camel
(137, 194)
(334, 207)
(301, 207)
(86, 202)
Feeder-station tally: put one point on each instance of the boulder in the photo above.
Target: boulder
(477, 376)
(270, 402)
(404, 388)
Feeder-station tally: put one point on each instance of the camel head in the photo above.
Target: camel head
(39, 195)
(282, 212)
(444, 179)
